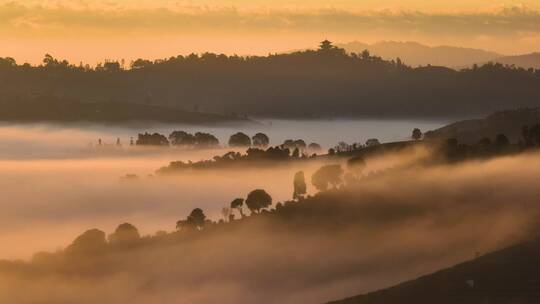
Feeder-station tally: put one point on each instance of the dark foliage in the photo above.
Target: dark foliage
(239, 140)
(154, 139)
(314, 83)
(252, 157)
(260, 140)
(258, 199)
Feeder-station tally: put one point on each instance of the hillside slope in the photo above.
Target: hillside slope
(507, 276)
(57, 110)
(471, 131)
(415, 54)
(525, 61)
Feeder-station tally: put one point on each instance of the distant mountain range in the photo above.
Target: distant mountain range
(416, 54)
(526, 61)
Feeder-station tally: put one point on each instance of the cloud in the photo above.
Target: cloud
(64, 19)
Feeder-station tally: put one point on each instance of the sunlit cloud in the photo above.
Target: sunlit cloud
(237, 27)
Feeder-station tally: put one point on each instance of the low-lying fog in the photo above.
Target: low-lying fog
(386, 229)
(54, 186)
(68, 141)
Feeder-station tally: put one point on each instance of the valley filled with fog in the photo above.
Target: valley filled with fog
(56, 177)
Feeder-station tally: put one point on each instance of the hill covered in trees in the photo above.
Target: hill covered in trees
(514, 124)
(531, 60)
(53, 109)
(502, 277)
(327, 82)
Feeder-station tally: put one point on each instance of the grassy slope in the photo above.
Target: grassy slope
(511, 275)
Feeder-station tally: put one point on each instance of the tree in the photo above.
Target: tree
(300, 144)
(296, 153)
(365, 55)
(260, 140)
(182, 138)
(356, 165)
(91, 241)
(258, 199)
(205, 140)
(372, 142)
(239, 140)
(112, 66)
(416, 134)
(7, 62)
(288, 144)
(124, 234)
(237, 204)
(299, 185)
(154, 139)
(195, 220)
(314, 148)
(327, 175)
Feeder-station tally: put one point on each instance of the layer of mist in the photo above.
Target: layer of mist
(402, 222)
(21, 141)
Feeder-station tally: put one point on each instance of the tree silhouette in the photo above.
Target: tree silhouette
(237, 204)
(154, 139)
(181, 138)
(91, 241)
(314, 148)
(416, 134)
(124, 234)
(258, 199)
(372, 142)
(260, 140)
(239, 140)
(300, 144)
(288, 144)
(356, 165)
(327, 175)
(300, 187)
(195, 220)
(205, 140)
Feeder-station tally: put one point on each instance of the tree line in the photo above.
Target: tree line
(258, 202)
(327, 82)
(207, 140)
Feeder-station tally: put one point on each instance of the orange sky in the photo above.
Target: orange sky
(94, 30)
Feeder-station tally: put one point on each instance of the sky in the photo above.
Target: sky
(91, 31)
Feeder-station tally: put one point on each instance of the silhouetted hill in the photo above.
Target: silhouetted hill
(416, 54)
(309, 84)
(509, 123)
(525, 61)
(58, 110)
(507, 276)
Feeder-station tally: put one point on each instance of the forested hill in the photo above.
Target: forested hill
(50, 109)
(326, 82)
(506, 276)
